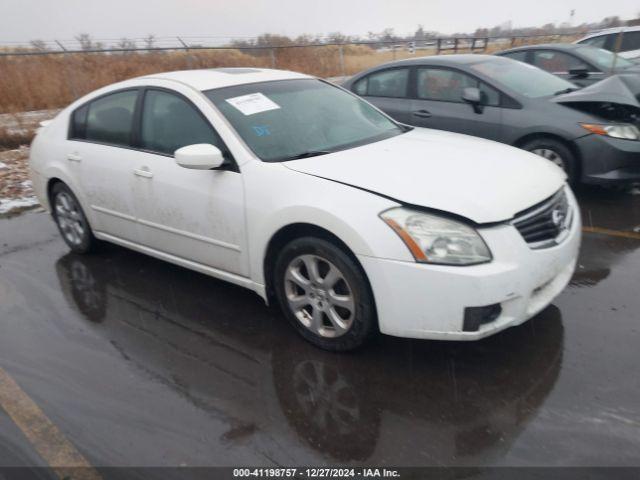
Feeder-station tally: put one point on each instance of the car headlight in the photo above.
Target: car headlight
(623, 130)
(434, 239)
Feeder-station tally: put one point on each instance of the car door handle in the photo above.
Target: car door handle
(74, 157)
(422, 113)
(143, 172)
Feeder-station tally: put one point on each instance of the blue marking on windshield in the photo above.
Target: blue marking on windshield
(261, 130)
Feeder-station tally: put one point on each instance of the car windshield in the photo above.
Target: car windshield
(604, 59)
(522, 78)
(290, 119)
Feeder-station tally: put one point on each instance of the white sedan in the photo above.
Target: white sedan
(311, 197)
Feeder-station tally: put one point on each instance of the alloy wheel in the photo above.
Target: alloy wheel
(551, 155)
(319, 296)
(70, 219)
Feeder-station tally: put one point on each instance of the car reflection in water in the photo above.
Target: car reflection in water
(396, 402)
(602, 254)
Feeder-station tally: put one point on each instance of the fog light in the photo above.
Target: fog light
(476, 316)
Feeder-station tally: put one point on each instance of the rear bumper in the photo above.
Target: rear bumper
(429, 301)
(39, 183)
(607, 160)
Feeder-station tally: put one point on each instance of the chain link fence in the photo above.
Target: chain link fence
(46, 76)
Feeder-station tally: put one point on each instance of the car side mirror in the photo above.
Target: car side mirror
(201, 156)
(473, 96)
(579, 72)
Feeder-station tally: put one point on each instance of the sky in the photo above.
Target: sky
(24, 20)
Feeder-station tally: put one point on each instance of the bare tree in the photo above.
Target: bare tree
(150, 41)
(39, 45)
(86, 43)
(126, 44)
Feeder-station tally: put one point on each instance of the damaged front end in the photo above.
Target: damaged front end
(611, 154)
(615, 99)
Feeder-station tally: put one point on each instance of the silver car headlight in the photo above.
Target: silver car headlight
(623, 130)
(434, 239)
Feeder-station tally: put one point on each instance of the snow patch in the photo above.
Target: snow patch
(8, 205)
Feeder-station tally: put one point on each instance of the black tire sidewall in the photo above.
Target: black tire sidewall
(364, 324)
(88, 241)
(561, 149)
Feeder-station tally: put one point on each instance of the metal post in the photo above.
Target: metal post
(341, 53)
(273, 58)
(616, 49)
(186, 49)
(439, 46)
(72, 81)
(455, 45)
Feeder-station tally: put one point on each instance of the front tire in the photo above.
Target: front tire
(324, 294)
(556, 152)
(71, 220)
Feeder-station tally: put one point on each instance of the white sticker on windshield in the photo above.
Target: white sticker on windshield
(253, 103)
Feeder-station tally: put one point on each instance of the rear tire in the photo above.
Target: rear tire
(71, 220)
(556, 152)
(324, 294)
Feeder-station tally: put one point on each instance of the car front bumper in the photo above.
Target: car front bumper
(607, 160)
(429, 301)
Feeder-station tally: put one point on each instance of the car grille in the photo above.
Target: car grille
(547, 223)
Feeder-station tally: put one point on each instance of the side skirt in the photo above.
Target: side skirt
(198, 267)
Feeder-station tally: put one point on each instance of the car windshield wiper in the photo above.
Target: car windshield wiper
(310, 153)
(566, 90)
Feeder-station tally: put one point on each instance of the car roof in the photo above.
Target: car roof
(607, 31)
(207, 79)
(547, 46)
(454, 59)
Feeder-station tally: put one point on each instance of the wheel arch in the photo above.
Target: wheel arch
(50, 184)
(522, 141)
(291, 232)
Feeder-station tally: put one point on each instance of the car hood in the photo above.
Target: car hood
(623, 89)
(481, 180)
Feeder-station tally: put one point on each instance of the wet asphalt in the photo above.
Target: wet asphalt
(142, 363)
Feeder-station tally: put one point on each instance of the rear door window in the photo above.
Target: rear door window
(521, 55)
(387, 83)
(630, 41)
(598, 42)
(110, 118)
(557, 62)
(445, 85)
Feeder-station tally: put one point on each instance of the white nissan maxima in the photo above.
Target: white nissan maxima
(295, 188)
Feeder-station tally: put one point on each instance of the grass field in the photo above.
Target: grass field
(52, 81)
(47, 82)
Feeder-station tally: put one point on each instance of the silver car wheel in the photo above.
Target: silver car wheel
(551, 155)
(69, 218)
(319, 296)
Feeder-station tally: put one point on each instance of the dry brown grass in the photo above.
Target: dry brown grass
(45, 82)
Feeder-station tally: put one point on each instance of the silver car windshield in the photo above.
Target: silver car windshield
(291, 119)
(604, 59)
(522, 78)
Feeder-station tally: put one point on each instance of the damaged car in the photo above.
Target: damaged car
(592, 132)
(314, 199)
